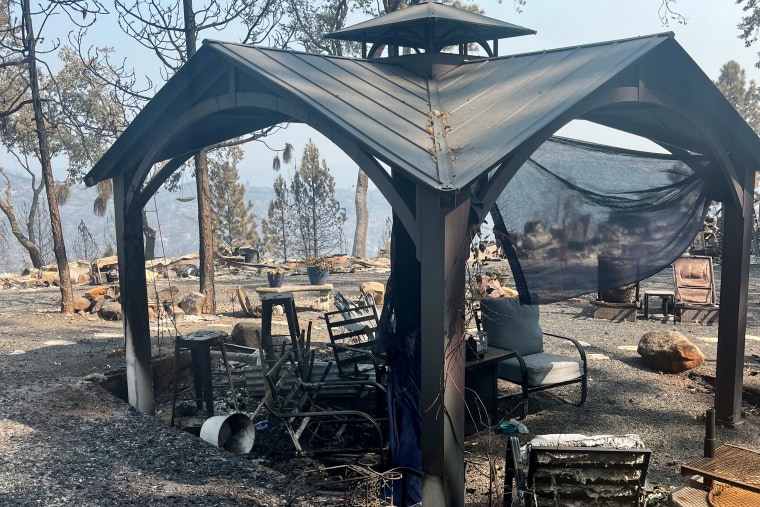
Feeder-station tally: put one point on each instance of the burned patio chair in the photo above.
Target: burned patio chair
(512, 326)
(694, 280)
(352, 337)
(292, 400)
(576, 475)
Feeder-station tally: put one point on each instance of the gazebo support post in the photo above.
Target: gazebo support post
(442, 251)
(732, 317)
(134, 297)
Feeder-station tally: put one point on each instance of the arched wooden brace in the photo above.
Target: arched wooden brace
(132, 197)
(265, 101)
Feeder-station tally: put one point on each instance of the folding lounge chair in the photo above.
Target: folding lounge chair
(694, 280)
(352, 336)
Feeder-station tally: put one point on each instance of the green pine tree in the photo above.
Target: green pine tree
(278, 223)
(318, 217)
(232, 217)
(744, 96)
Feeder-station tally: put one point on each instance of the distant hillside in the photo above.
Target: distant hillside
(176, 221)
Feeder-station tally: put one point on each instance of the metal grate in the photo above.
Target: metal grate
(724, 495)
(733, 465)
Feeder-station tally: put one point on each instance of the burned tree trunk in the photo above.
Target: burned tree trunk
(150, 237)
(362, 216)
(67, 296)
(206, 242)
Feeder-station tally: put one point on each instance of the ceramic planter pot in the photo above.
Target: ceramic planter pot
(275, 280)
(316, 275)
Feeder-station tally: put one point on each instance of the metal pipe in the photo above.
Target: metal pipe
(710, 433)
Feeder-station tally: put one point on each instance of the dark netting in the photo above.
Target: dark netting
(579, 218)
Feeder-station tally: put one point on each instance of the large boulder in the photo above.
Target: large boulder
(192, 304)
(82, 304)
(95, 292)
(377, 290)
(110, 311)
(669, 352)
(246, 333)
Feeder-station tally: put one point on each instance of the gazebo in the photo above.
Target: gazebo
(441, 134)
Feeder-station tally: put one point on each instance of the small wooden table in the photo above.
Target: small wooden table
(481, 389)
(668, 298)
(732, 465)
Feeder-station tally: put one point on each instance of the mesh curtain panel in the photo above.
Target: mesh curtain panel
(579, 218)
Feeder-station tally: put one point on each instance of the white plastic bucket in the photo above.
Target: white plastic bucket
(234, 432)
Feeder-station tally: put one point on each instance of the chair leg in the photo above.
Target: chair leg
(229, 373)
(175, 383)
(584, 391)
(524, 403)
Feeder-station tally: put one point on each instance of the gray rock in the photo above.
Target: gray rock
(110, 310)
(192, 304)
(170, 293)
(246, 333)
(669, 352)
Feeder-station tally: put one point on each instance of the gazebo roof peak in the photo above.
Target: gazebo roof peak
(429, 27)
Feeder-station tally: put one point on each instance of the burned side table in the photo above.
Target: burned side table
(481, 390)
(668, 298)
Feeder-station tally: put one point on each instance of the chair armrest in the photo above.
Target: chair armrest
(581, 350)
(360, 351)
(344, 383)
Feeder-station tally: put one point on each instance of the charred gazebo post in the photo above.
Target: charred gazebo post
(134, 295)
(443, 251)
(732, 316)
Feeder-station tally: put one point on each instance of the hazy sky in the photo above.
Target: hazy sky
(709, 36)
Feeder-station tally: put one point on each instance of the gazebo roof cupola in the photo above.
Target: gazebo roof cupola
(427, 28)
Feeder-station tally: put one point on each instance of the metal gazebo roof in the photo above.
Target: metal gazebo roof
(445, 133)
(430, 26)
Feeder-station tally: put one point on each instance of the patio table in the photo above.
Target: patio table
(481, 383)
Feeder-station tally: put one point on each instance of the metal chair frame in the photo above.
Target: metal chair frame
(292, 400)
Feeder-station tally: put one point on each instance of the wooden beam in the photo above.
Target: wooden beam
(732, 317)
(443, 251)
(134, 297)
(159, 177)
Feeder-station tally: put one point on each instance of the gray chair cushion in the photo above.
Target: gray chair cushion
(510, 325)
(542, 369)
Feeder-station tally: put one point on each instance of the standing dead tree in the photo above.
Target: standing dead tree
(170, 31)
(28, 95)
